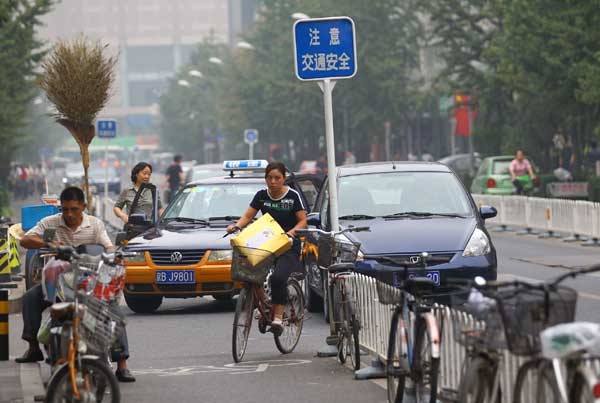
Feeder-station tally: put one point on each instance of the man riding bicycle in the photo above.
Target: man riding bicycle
(519, 168)
(287, 209)
(74, 228)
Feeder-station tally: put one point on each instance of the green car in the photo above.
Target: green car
(493, 177)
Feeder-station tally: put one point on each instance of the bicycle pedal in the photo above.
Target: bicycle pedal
(277, 331)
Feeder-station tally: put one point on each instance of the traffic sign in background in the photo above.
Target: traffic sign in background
(251, 136)
(107, 128)
(325, 48)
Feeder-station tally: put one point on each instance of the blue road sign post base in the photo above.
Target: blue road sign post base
(373, 371)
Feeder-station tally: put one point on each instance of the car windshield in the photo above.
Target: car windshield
(209, 201)
(501, 167)
(385, 194)
(204, 173)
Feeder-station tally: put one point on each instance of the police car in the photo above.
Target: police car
(185, 255)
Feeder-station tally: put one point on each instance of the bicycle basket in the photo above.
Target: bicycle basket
(525, 314)
(101, 324)
(334, 250)
(388, 281)
(476, 323)
(251, 265)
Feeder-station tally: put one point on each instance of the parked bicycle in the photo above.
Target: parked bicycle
(525, 317)
(415, 335)
(338, 254)
(252, 267)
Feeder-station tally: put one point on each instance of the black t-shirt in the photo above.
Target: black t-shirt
(173, 174)
(283, 210)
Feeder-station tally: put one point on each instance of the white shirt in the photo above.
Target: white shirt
(91, 231)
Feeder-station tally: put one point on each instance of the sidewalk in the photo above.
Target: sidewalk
(20, 382)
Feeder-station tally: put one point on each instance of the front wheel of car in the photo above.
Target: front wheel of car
(143, 304)
(314, 302)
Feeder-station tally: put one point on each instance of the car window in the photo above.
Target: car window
(501, 167)
(204, 201)
(389, 193)
(483, 168)
(310, 191)
(199, 174)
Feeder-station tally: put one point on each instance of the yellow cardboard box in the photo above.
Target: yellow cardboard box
(265, 234)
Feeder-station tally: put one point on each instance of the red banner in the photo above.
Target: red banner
(461, 114)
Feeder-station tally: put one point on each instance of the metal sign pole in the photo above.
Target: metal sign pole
(105, 177)
(251, 152)
(329, 141)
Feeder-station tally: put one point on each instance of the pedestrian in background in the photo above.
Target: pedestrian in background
(174, 178)
(520, 166)
(140, 174)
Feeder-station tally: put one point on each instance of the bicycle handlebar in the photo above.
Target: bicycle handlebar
(307, 231)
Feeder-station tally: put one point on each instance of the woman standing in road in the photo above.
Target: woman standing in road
(140, 174)
(286, 207)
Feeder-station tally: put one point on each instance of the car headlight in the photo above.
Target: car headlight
(136, 257)
(220, 255)
(478, 245)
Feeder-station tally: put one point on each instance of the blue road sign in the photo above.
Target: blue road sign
(250, 136)
(107, 129)
(325, 48)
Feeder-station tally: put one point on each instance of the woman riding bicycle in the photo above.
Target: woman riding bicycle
(519, 168)
(286, 207)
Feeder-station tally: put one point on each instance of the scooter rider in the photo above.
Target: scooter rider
(73, 227)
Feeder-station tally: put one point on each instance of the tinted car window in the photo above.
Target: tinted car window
(501, 167)
(390, 193)
(204, 201)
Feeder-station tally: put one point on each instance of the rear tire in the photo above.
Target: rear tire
(477, 382)
(242, 323)
(293, 319)
(143, 304)
(314, 302)
(426, 387)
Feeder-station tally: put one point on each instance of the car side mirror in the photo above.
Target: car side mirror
(138, 219)
(314, 219)
(488, 212)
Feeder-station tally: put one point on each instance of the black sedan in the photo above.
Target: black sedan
(410, 207)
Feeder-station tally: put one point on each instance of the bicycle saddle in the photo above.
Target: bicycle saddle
(419, 285)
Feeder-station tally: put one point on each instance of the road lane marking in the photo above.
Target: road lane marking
(248, 367)
(586, 295)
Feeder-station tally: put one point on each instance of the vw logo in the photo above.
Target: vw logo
(413, 259)
(176, 257)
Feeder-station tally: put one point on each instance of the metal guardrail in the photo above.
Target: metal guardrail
(104, 210)
(375, 319)
(578, 218)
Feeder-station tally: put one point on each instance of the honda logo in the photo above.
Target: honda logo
(176, 257)
(415, 259)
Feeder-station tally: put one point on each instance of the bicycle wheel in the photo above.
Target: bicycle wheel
(97, 383)
(425, 368)
(525, 384)
(353, 339)
(395, 360)
(547, 389)
(581, 391)
(242, 322)
(293, 318)
(342, 324)
(477, 383)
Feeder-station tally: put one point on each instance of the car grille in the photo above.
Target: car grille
(176, 287)
(189, 257)
(217, 286)
(403, 259)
